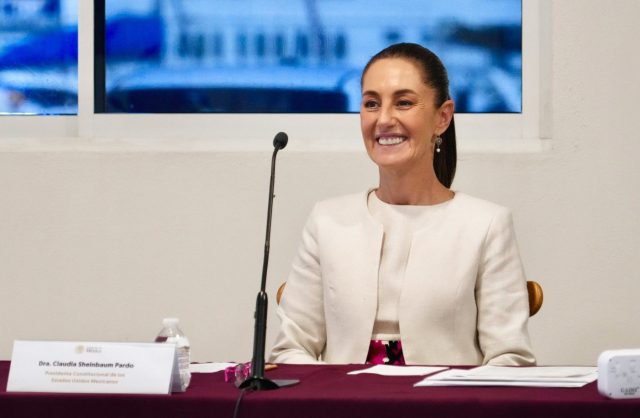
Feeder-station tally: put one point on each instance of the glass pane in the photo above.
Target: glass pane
(300, 56)
(38, 57)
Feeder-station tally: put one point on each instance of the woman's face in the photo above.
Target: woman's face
(398, 116)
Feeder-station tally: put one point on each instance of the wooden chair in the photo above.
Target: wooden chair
(280, 290)
(536, 296)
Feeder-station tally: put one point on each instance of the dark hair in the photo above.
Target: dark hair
(434, 75)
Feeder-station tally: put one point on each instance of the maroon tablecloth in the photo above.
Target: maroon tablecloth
(324, 391)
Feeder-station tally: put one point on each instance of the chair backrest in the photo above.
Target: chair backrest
(280, 290)
(536, 296)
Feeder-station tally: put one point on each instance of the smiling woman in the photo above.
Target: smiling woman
(437, 272)
(405, 110)
(400, 124)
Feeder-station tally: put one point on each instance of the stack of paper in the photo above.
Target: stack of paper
(389, 370)
(551, 376)
(209, 367)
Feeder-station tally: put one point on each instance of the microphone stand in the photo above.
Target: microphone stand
(257, 381)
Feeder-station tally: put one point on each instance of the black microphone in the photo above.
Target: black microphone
(257, 380)
(280, 141)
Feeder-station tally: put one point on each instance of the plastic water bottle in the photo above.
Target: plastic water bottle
(172, 334)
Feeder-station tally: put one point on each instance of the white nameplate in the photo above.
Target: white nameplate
(90, 367)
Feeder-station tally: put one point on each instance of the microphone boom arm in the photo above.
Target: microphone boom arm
(257, 380)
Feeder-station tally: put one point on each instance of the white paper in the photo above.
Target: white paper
(427, 383)
(389, 370)
(91, 367)
(527, 373)
(551, 376)
(209, 367)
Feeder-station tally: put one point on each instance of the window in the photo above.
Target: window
(511, 132)
(38, 57)
(298, 56)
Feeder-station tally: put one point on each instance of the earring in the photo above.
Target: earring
(438, 143)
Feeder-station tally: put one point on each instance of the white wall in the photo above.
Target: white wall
(100, 243)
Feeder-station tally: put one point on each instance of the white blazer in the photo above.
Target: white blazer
(463, 299)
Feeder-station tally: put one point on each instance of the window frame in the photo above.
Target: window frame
(529, 131)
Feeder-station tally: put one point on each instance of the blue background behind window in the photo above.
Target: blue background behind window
(300, 56)
(38, 57)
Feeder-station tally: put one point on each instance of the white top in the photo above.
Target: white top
(463, 297)
(398, 223)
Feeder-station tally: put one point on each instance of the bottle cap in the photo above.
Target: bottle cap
(170, 322)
